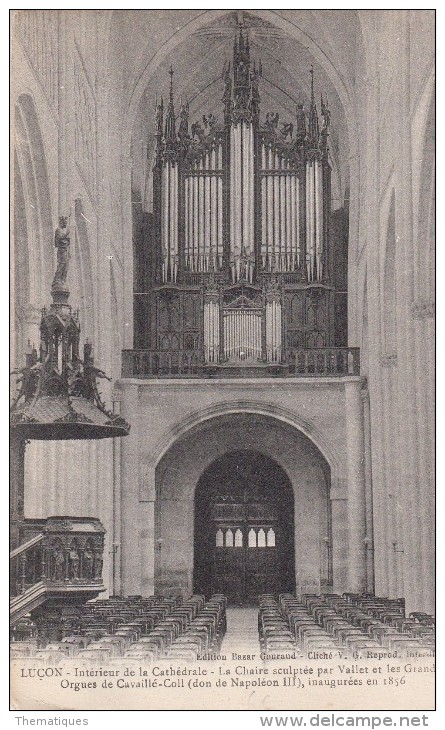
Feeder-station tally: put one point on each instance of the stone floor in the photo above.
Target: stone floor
(242, 631)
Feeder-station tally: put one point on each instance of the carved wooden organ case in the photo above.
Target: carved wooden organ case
(237, 262)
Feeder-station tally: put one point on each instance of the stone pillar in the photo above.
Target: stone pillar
(356, 487)
(369, 538)
(17, 446)
(147, 497)
(115, 541)
(130, 516)
(339, 515)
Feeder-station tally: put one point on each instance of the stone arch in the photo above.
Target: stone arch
(339, 80)
(273, 411)
(196, 448)
(33, 255)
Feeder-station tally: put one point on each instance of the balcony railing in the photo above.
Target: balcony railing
(59, 555)
(297, 363)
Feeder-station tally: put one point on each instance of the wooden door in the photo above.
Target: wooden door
(245, 550)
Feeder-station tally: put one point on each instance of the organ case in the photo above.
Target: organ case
(240, 228)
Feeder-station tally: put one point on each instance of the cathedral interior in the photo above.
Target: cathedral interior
(232, 392)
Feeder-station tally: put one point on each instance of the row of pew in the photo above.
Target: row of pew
(139, 628)
(363, 624)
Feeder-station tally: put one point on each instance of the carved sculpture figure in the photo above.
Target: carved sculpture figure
(59, 563)
(159, 117)
(88, 559)
(74, 563)
(287, 130)
(272, 121)
(209, 121)
(197, 131)
(326, 114)
(62, 244)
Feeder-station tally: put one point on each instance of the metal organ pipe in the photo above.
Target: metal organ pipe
(232, 201)
(186, 221)
(263, 221)
(196, 222)
(212, 237)
(201, 218)
(283, 227)
(296, 217)
(207, 209)
(220, 209)
(319, 218)
(163, 223)
(316, 221)
(174, 223)
(291, 210)
(244, 184)
(238, 193)
(251, 202)
(190, 224)
(166, 210)
(276, 215)
(310, 219)
(287, 208)
(263, 209)
(270, 209)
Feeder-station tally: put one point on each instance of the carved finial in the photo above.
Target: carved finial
(313, 116)
(171, 72)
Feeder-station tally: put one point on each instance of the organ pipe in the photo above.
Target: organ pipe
(276, 215)
(201, 219)
(196, 223)
(263, 222)
(207, 212)
(186, 223)
(296, 217)
(242, 335)
(242, 201)
(211, 330)
(319, 218)
(219, 215)
(270, 218)
(291, 211)
(284, 265)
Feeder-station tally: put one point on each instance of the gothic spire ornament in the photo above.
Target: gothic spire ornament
(58, 396)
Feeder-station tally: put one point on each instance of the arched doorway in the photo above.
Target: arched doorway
(244, 524)
(289, 461)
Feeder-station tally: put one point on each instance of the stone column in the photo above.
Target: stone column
(147, 497)
(356, 487)
(339, 514)
(130, 517)
(17, 446)
(369, 538)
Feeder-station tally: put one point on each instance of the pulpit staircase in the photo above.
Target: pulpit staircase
(58, 562)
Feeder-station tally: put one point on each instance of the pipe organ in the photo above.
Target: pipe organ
(240, 228)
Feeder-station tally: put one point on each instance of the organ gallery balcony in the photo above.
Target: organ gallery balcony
(319, 362)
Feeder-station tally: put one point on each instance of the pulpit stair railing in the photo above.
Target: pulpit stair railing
(63, 556)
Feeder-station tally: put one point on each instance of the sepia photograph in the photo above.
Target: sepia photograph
(222, 423)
